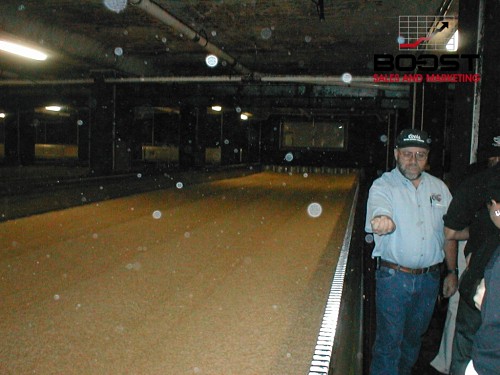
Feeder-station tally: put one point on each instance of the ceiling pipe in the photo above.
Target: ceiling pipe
(443, 10)
(162, 15)
(445, 7)
(357, 81)
(47, 82)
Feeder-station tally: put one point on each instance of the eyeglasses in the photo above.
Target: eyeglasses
(407, 155)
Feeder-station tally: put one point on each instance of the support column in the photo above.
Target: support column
(489, 118)
(83, 127)
(417, 97)
(102, 129)
(466, 95)
(434, 115)
(123, 135)
(20, 138)
(253, 136)
(229, 139)
(192, 146)
(200, 146)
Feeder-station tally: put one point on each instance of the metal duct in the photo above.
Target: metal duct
(76, 46)
(162, 15)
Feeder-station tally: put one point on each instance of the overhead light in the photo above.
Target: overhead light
(244, 117)
(2, 115)
(54, 108)
(216, 108)
(116, 5)
(23, 51)
(452, 44)
(211, 61)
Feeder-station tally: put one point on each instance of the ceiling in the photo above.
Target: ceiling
(257, 41)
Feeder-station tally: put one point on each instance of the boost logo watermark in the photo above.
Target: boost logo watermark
(426, 34)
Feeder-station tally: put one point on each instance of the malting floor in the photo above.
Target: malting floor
(223, 277)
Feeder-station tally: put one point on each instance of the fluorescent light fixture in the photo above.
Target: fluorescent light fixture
(452, 44)
(54, 108)
(246, 115)
(216, 108)
(2, 115)
(23, 51)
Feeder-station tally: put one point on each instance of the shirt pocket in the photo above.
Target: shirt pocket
(438, 211)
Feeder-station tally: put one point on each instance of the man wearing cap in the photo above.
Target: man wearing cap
(405, 213)
(467, 218)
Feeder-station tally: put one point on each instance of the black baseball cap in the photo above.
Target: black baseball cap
(493, 188)
(413, 138)
(492, 148)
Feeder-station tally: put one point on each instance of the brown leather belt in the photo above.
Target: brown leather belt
(413, 271)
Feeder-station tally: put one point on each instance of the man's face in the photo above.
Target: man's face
(411, 161)
(494, 209)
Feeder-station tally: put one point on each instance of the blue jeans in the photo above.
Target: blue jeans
(405, 304)
(467, 324)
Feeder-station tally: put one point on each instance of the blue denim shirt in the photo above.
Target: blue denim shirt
(418, 213)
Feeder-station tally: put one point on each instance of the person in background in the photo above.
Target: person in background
(442, 361)
(486, 345)
(405, 211)
(467, 218)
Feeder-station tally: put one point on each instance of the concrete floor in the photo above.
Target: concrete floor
(226, 277)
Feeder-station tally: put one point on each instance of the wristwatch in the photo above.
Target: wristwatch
(455, 271)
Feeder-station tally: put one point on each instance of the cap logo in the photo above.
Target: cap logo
(413, 138)
(496, 141)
